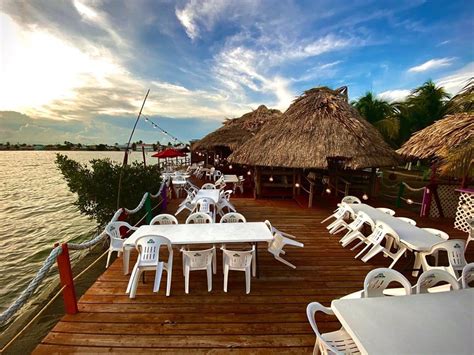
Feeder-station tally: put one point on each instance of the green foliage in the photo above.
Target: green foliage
(96, 186)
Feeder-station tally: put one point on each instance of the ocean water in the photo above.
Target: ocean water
(36, 210)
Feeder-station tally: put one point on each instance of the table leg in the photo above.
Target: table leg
(126, 260)
(256, 271)
(417, 264)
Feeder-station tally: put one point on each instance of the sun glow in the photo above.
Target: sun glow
(37, 68)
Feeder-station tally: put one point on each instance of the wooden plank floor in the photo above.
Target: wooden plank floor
(271, 319)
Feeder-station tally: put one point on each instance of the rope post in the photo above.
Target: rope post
(65, 274)
(426, 203)
(148, 208)
(401, 190)
(164, 197)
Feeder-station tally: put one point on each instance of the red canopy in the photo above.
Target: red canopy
(169, 153)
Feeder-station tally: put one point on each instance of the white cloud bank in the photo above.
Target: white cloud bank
(431, 64)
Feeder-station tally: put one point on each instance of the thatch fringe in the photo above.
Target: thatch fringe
(443, 135)
(320, 124)
(237, 131)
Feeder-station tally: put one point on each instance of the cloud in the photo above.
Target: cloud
(455, 81)
(431, 64)
(394, 95)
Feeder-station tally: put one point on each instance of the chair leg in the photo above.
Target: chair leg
(372, 252)
(132, 278)
(186, 280)
(169, 271)
(133, 290)
(214, 261)
(226, 277)
(159, 272)
(285, 262)
(363, 251)
(247, 280)
(397, 256)
(108, 259)
(209, 278)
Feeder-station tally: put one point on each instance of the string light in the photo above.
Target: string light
(249, 172)
(365, 197)
(328, 190)
(270, 178)
(410, 201)
(230, 166)
(297, 185)
(154, 125)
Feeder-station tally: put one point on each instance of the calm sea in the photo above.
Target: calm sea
(36, 210)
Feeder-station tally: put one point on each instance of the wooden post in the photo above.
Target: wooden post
(164, 196)
(426, 203)
(148, 209)
(257, 179)
(65, 275)
(144, 156)
(401, 190)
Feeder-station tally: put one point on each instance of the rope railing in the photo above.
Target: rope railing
(6, 315)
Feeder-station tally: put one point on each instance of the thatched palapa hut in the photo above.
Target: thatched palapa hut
(236, 132)
(450, 141)
(319, 127)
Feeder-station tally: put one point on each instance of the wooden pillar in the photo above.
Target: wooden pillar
(65, 275)
(426, 203)
(144, 156)
(257, 181)
(148, 209)
(401, 190)
(164, 197)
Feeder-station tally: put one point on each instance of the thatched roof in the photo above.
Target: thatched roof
(237, 131)
(320, 124)
(443, 135)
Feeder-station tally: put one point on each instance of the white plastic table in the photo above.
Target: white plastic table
(212, 194)
(415, 238)
(231, 179)
(437, 323)
(209, 233)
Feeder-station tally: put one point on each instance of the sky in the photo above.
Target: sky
(78, 70)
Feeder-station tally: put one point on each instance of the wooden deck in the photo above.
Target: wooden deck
(271, 319)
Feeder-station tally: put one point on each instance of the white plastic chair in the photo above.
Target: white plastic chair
(438, 233)
(378, 280)
(233, 217)
(374, 241)
(217, 175)
(210, 173)
(224, 202)
(276, 245)
(186, 205)
(408, 220)
(467, 275)
(344, 212)
(432, 278)
(208, 186)
(350, 199)
(206, 205)
(387, 211)
(148, 248)
(337, 342)
(115, 237)
(355, 230)
(198, 218)
(198, 260)
(239, 184)
(239, 261)
(164, 218)
(455, 250)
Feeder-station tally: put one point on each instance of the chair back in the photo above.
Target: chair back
(198, 258)
(381, 231)
(238, 259)
(164, 218)
(408, 220)
(217, 173)
(437, 232)
(378, 280)
(432, 278)
(198, 218)
(148, 247)
(208, 186)
(322, 345)
(113, 229)
(350, 199)
(233, 217)
(361, 219)
(205, 205)
(467, 275)
(455, 249)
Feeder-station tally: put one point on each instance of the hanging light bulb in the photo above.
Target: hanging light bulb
(270, 178)
(328, 190)
(365, 197)
(230, 166)
(410, 201)
(249, 172)
(297, 185)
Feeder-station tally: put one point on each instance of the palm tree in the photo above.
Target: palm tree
(463, 101)
(422, 107)
(380, 113)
